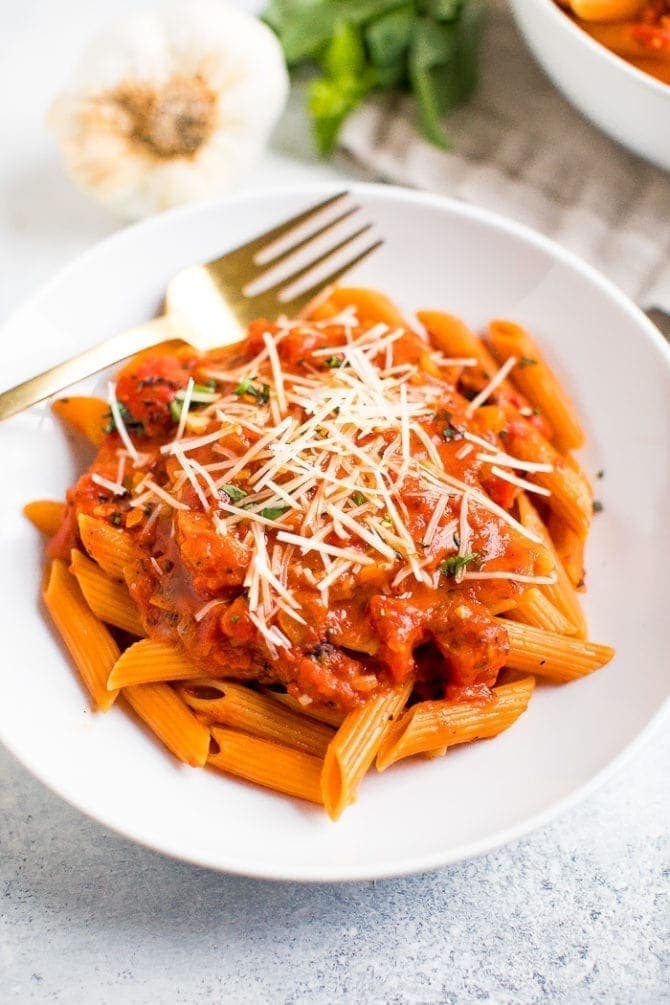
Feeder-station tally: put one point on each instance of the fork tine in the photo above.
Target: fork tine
(297, 303)
(294, 277)
(257, 244)
(277, 258)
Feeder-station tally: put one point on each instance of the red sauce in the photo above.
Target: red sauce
(371, 633)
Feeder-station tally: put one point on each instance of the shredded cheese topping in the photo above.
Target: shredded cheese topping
(334, 451)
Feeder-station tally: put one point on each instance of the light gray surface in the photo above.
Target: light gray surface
(577, 913)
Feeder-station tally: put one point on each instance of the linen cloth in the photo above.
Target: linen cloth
(520, 149)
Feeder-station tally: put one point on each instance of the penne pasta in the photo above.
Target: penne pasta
(168, 717)
(333, 504)
(45, 514)
(331, 716)
(561, 593)
(555, 657)
(534, 608)
(111, 548)
(569, 546)
(231, 704)
(537, 382)
(370, 306)
(151, 662)
(570, 495)
(88, 416)
(268, 764)
(431, 724)
(109, 600)
(355, 745)
(92, 648)
(455, 339)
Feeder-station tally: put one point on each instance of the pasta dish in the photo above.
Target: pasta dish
(345, 540)
(636, 30)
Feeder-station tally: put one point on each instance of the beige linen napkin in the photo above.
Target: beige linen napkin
(519, 148)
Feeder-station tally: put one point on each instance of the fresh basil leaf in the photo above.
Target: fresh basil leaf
(345, 55)
(305, 27)
(388, 37)
(444, 10)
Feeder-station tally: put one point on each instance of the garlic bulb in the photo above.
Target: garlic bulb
(171, 106)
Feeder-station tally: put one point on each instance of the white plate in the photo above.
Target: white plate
(629, 105)
(422, 814)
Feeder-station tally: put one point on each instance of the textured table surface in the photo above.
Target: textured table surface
(578, 912)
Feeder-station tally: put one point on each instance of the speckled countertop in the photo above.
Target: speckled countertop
(577, 913)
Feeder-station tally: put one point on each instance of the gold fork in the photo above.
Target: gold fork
(210, 305)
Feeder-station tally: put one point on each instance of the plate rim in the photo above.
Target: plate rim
(424, 862)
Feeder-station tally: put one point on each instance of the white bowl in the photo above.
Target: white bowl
(629, 105)
(422, 814)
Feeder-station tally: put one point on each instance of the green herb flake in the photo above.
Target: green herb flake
(273, 512)
(116, 519)
(358, 498)
(600, 474)
(233, 492)
(387, 521)
(451, 433)
(597, 506)
(128, 421)
(451, 565)
(247, 386)
(176, 408)
(526, 361)
(333, 362)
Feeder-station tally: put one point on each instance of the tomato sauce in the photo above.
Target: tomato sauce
(369, 630)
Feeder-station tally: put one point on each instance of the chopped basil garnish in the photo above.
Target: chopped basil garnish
(527, 361)
(247, 386)
(450, 566)
(273, 512)
(129, 422)
(233, 492)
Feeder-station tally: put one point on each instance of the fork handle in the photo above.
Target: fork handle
(86, 363)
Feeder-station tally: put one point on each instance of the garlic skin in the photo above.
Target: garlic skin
(170, 106)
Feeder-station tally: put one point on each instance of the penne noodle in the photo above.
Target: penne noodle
(231, 704)
(570, 494)
(355, 745)
(87, 415)
(454, 338)
(109, 600)
(331, 716)
(561, 593)
(605, 10)
(174, 724)
(92, 648)
(569, 547)
(111, 548)
(430, 724)
(534, 608)
(45, 514)
(537, 382)
(268, 764)
(151, 662)
(371, 306)
(556, 657)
